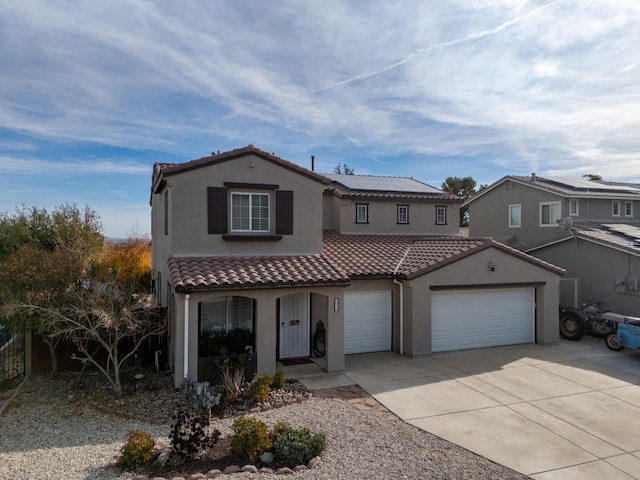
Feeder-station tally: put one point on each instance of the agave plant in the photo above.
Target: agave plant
(201, 394)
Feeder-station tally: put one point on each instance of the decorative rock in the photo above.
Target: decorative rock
(266, 470)
(196, 476)
(314, 462)
(284, 471)
(266, 457)
(139, 376)
(232, 469)
(162, 459)
(250, 469)
(299, 468)
(213, 473)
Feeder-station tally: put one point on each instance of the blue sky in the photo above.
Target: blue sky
(93, 93)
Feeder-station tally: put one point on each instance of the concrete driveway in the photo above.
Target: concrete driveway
(551, 412)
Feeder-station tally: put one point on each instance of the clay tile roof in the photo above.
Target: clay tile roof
(211, 273)
(171, 169)
(407, 256)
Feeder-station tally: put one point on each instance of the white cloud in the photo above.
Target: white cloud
(37, 166)
(526, 83)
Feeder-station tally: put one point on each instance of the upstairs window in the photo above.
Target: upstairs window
(514, 216)
(441, 215)
(628, 209)
(550, 214)
(246, 214)
(249, 212)
(573, 208)
(615, 208)
(403, 213)
(362, 213)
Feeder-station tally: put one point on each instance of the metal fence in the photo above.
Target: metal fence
(12, 361)
(571, 292)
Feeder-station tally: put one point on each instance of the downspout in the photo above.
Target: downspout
(398, 282)
(186, 337)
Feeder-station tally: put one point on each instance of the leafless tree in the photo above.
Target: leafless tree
(99, 314)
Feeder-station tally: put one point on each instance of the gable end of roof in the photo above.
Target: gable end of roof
(165, 170)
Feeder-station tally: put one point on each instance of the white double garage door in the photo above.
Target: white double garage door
(460, 319)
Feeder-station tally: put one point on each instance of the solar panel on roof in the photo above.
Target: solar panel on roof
(588, 185)
(392, 184)
(628, 230)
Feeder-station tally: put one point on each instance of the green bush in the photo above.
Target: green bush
(296, 446)
(137, 451)
(251, 437)
(278, 380)
(260, 387)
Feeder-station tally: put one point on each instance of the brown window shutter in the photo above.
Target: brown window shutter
(217, 210)
(284, 212)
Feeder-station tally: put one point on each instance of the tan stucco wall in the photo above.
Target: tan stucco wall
(188, 209)
(383, 217)
(473, 271)
(161, 246)
(266, 328)
(600, 269)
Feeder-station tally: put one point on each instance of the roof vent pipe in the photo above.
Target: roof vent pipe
(533, 177)
(313, 163)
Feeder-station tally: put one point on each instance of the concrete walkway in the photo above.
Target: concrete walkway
(551, 412)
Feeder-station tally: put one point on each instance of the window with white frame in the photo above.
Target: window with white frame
(362, 213)
(515, 216)
(615, 208)
(573, 208)
(550, 214)
(628, 209)
(250, 212)
(441, 215)
(403, 213)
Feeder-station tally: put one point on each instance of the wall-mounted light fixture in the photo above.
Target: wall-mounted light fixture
(336, 304)
(492, 266)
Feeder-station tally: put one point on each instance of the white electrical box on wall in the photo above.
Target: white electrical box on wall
(632, 283)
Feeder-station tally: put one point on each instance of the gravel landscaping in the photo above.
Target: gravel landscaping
(52, 431)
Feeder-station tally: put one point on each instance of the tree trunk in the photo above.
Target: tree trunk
(85, 365)
(117, 384)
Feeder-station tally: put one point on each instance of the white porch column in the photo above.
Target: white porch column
(186, 336)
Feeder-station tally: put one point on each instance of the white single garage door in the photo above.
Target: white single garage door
(367, 321)
(464, 319)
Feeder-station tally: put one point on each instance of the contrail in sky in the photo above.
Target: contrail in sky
(421, 51)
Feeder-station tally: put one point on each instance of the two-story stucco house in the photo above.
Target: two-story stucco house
(591, 229)
(261, 253)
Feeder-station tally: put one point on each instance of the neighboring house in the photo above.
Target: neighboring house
(591, 229)
(257, 251)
